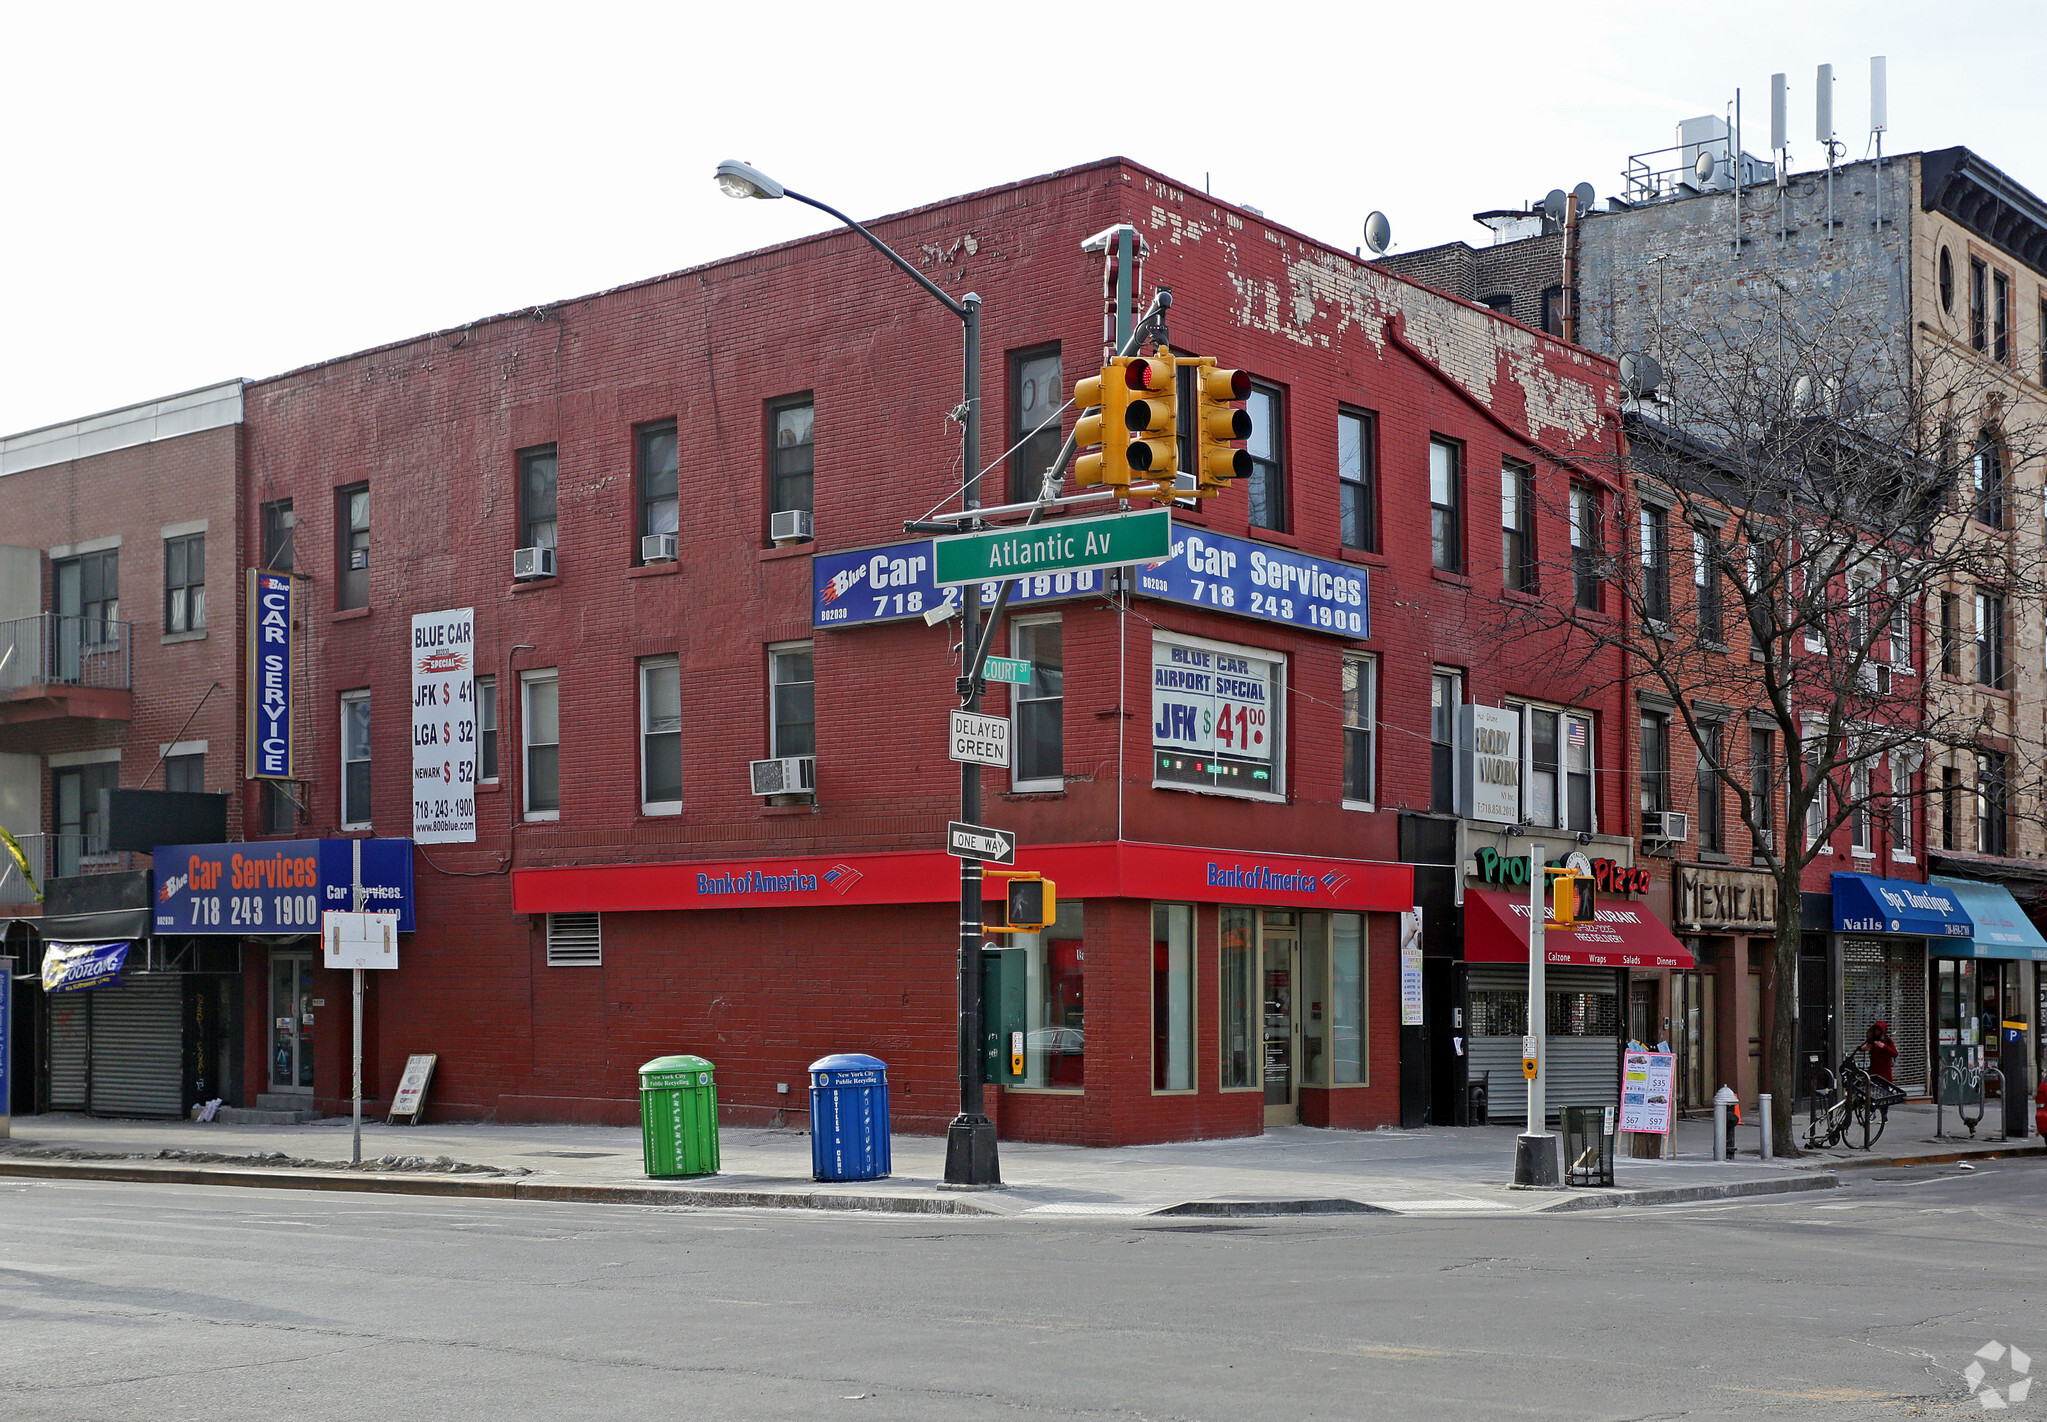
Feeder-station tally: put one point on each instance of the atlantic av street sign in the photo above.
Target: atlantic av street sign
(1061, 547)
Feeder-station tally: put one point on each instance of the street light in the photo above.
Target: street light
(970, 1157)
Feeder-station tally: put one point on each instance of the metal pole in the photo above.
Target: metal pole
(1535, 1153)
(355, 904)
(1763, 1102)
(1126, 293)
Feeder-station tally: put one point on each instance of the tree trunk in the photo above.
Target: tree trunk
(1783, 1053)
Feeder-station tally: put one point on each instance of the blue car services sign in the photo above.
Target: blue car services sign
(279, 886)
(896, 582)
(270, 688)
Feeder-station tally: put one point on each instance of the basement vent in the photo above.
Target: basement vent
(575, 940)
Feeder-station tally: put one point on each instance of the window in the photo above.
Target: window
(1040, 762)
(656, 452)
(1712, 824)
(185, 773)
(279, 525)
(88, 588)
(81, 812)
(281, 813)
(1585, 548)
(1986, 470)
(1655, 555)
(1950, 634)
(1950, 805)
(575, 940)
(540, 723)
(1992, 790)
(1238, 1039)
(1055, 1001)
(1655, 763)
(1990, 664)
(1217, 717)
(2043, 342)
(1816, 808)
(1859, 818)
(660, 736)
(1947, 280)
(1501, 302)
(1035, 398)
(1553, 310)
(1360, 729)
(1706, 585)
(1348, 1063)
(2000, 318)
(1901, 807)
(1357, 477)
(1556, 767)
(352, 546)
(487, 729)
(1517, 526)
(792, 704)
(1762, 793)
(792, 454)
(1446, 502)
(1267, 492)
(1172, 997)
(1978, 299)
(1446, 694)
(537, 525)
(355, 760)
(184, 583)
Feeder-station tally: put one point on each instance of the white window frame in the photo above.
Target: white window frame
(1565, 715)
(1900, 817)
(776, 649)
(543, 676)
(490, 684)
(1368, 689)
(1816, 812)
(1862, 815)
(1280, 729)
(673, 666)
(349, 698)
(1044, 783)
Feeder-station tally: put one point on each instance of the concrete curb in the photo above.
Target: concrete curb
(1237, 1209)
(1686, 1194)
(1949, 1157)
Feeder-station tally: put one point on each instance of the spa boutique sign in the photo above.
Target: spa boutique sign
(1489, 764)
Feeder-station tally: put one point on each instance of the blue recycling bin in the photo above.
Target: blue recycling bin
(848, 1117)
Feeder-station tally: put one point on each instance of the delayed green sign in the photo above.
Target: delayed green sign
(1061, 547)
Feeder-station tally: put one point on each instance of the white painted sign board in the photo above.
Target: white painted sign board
(359, 940)
(979, 740)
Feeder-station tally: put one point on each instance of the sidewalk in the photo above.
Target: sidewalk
(1291, 1170)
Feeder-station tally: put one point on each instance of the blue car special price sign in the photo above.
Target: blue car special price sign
(895, 583)
(1260, 582)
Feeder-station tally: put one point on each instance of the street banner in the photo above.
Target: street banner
(1411, 968)
(444, 727)
(1647, 1079)
(269, 692)
(81, 967)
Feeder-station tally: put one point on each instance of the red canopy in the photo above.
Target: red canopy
(1626, 936)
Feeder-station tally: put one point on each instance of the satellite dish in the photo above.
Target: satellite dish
(1641, 374)
(1378, 232)
(1553, 205)
(1704, 166)
(1583, 192)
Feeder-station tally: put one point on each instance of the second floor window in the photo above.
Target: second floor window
(355, 760)
(1655, 763)
(1655, 554)
(1360, 727)
(1446, 693)
(1556, 767)
(88, 588)
(792, 701)
(792, 454)
(1517, 526)
(1761, 771)
(1712, 833)
(1992, 808)
(487, 729)
(1446, 505)
(1357, 479)
(540, 723)
(279, 524)
(184, 583)
(1990, 664)
(1267, 491)
(1040, 705)
(537, 498)
(185, 772)
(1584, 548)
(352, 546)
(657, 460)
(1035, 397)
(660, 736)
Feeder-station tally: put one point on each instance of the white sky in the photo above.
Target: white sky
(194, 193)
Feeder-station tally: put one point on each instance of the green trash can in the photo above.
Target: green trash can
(679, 1116)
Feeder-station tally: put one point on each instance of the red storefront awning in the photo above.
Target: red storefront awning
(1626, 936)
(1124, 870)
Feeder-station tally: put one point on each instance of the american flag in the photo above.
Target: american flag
(1577, 735)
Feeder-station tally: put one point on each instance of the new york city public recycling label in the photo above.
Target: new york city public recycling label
(1065, 546)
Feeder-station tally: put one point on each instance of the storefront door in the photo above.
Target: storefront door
(291, 1022)
(1693, 1017)
(1280, 936)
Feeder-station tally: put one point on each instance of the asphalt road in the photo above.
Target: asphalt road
(134, 1301)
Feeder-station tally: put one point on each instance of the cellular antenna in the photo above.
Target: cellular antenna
(1823, 130)
(1879, 120)
(1780, 124)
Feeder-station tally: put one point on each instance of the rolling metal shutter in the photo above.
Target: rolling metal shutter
(1584, 1070)
(1884, 980)
(137, 1047)
(70, 1019)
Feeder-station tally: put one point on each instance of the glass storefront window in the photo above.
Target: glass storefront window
(1172, 997)
(1055, 1039)
(1239, 1032)
(1312, 999)
(1347, 999)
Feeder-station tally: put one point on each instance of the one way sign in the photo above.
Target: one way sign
(980, 842)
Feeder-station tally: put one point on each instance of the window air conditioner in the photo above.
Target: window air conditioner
(790, 525)
(657, 548)
(791, 775)
(1672, 825)
(532, 563)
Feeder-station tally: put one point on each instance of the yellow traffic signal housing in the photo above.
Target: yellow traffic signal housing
(1218, 425)
(1033, 901)
(1573, 900)
(1152, 417)
(1108, 395)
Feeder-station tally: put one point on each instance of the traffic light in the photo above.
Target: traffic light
(1033, 903)
(1572, 899)
(1152, 417)
(1219, 424)
(1109, 396)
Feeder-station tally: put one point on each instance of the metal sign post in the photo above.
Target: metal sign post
(355, 905)
(1535, 1153)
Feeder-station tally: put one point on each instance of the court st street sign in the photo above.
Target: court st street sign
(1014, 670)
(1060, 547)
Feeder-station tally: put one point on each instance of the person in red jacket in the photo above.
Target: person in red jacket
(1883, 1052)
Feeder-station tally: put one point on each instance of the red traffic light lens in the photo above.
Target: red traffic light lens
(1240, 385)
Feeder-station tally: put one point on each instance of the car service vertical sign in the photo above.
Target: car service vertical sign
(444, 727)
(270, 687)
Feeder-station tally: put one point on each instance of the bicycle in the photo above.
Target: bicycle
(1849, 1099)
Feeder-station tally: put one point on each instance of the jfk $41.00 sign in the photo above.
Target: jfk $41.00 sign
(444, 727)
(1215, 716)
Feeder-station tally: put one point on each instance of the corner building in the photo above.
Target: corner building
(1217, 757)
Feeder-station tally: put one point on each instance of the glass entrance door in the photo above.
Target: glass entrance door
(291, 1022)
(1282, 950)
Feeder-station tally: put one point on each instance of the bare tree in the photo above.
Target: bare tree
(1812, 512)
